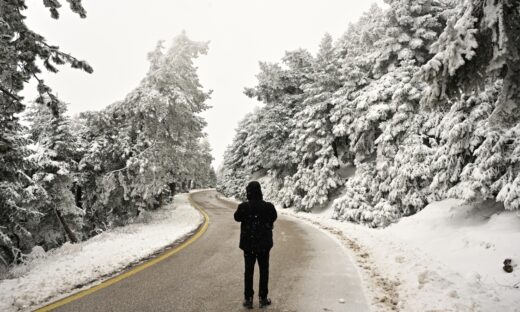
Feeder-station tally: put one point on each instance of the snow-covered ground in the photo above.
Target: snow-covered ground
(448, 257)
(58, 272)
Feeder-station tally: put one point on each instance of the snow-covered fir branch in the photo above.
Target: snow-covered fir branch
(421, 98)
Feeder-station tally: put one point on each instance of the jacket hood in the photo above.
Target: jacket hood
(254, 191)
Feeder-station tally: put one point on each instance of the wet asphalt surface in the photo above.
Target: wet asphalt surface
(309, 271)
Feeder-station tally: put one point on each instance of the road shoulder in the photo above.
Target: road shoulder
(75, 270)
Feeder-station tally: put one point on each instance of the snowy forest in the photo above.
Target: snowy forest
(416, 102)
(66, 179)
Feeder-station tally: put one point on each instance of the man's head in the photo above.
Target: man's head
(254, 191)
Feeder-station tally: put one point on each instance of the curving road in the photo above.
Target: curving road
(309, 272)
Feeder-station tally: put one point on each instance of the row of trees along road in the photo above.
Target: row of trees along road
(421, 99)
(68, 179)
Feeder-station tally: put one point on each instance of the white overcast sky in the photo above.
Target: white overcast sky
(117, 35)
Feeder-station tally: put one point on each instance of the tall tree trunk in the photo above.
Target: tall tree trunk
(78, 194)
(173, 187)
(71, 236)
(335, 148)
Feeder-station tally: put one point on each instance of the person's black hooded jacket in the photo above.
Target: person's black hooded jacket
(257, 217)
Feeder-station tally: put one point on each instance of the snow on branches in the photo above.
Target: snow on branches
(422, 98)
(72, 179)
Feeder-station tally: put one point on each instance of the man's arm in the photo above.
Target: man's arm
(239, 213)
(273, 215)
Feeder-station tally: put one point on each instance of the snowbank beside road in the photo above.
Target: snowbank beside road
(57, 272)
(448, 257)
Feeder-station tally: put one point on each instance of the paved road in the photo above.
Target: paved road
(309, 272)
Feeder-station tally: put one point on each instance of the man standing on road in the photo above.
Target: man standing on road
(256, 240)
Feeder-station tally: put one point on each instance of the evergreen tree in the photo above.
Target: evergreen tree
(388, 130)
(509, 183)
(461, 132)
(149, 144)
(474, 73)
(313, 143)
(481, 40)
(411, 27)
(380, 119)
(484, 156)
(203, 175)
(357, 52)
(281, 91)
(53, 175)
(421, 98)
(21, 49)
(234, 174)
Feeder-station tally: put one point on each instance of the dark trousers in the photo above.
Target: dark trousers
(263, 263)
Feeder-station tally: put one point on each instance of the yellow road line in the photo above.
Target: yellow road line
(136, 269)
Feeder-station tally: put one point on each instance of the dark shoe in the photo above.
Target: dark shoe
(248, 303)
(264, 302)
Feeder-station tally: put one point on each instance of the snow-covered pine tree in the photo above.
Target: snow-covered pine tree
(388, 121)
(357, 51)
(474, 74)
(14, 186)
(357, 202)
(452, 49)
(461, 132)
(463, 54)
(109, 146)
(54, 153)
(211, 180)
(149, 144)
(262, 153)
(203, 175)
(381, 121)
(357, 43)
(508, 185)
(281, 89)
(234, 172)
(411, 27)
(313, 145)
(481, 41)
(403, 148)
(485, 156)
(21, 49)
